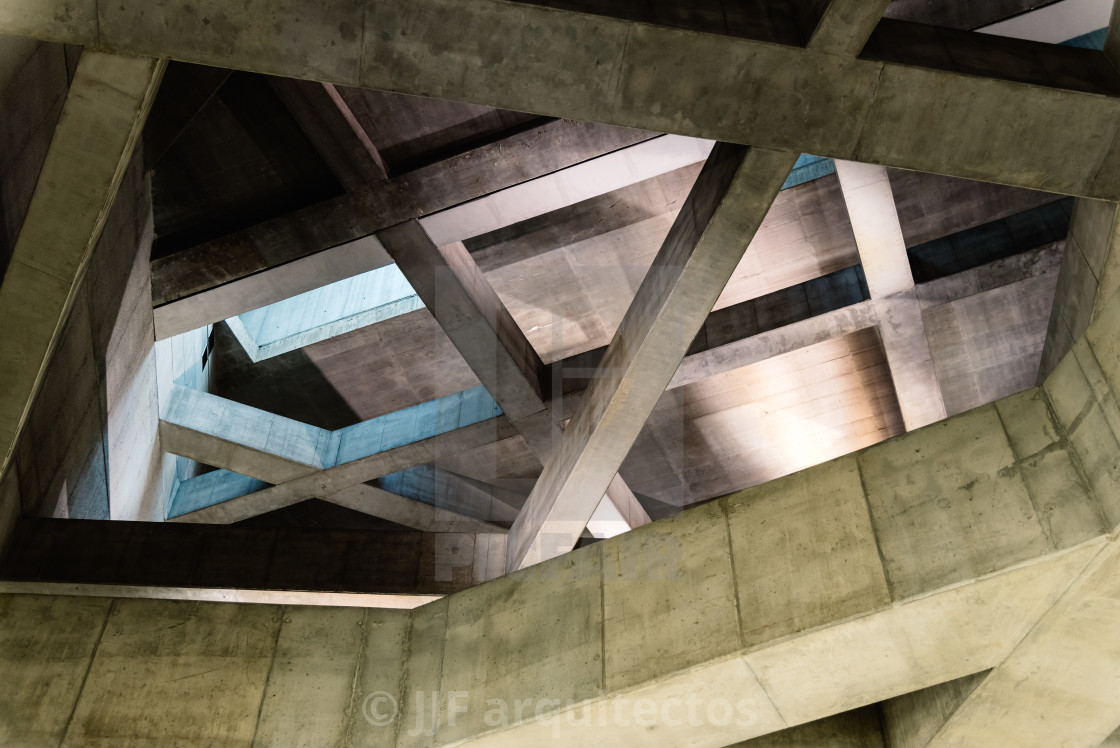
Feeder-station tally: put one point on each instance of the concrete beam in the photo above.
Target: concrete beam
(352, 472)
(715, 225)
(254, 448)
(334, 240)
(978, 543)
(333, 130)
(466, 307)
(992, 117)
(853, 628)
(101, 121)
(882, 251)
(845, 25)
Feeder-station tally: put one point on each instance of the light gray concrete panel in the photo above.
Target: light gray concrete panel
(310, 688)
(418, 707)
(1066, 507)
(988, 345)
(1091, 418)
(1061, 684)
(653, 585)
(381, 674)
(497, 647)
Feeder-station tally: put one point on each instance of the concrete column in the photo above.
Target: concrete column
(882, 250)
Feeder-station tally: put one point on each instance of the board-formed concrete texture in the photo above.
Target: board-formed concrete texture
(718, 264)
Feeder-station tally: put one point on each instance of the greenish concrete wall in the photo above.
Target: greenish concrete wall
(917, 561)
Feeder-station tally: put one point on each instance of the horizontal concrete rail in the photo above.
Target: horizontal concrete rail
(954, 103)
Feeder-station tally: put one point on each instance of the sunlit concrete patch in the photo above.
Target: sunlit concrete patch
(326, 312)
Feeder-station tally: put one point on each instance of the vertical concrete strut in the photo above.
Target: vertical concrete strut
(714, 227)
(100, 125)
(882, 250)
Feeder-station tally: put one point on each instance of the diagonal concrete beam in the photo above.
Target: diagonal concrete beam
(101, 121)
(900, 581)
(254, 448)
(845, 25)
(334, 239)
(1060, 685)
(333, 131)
(875, 109)
(882, 251)
(467, 308)
(715, 225)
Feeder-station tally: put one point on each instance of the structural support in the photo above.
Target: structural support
(100, 125)
(639, 74)
(334, 239)
(1090, 270)
(1089, 275)
(711, 232)
(251, 446)
(333, 130)
(1057, 687)
(882, 250)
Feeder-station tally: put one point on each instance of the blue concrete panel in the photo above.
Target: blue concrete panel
(809, 168)
(209, 489)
